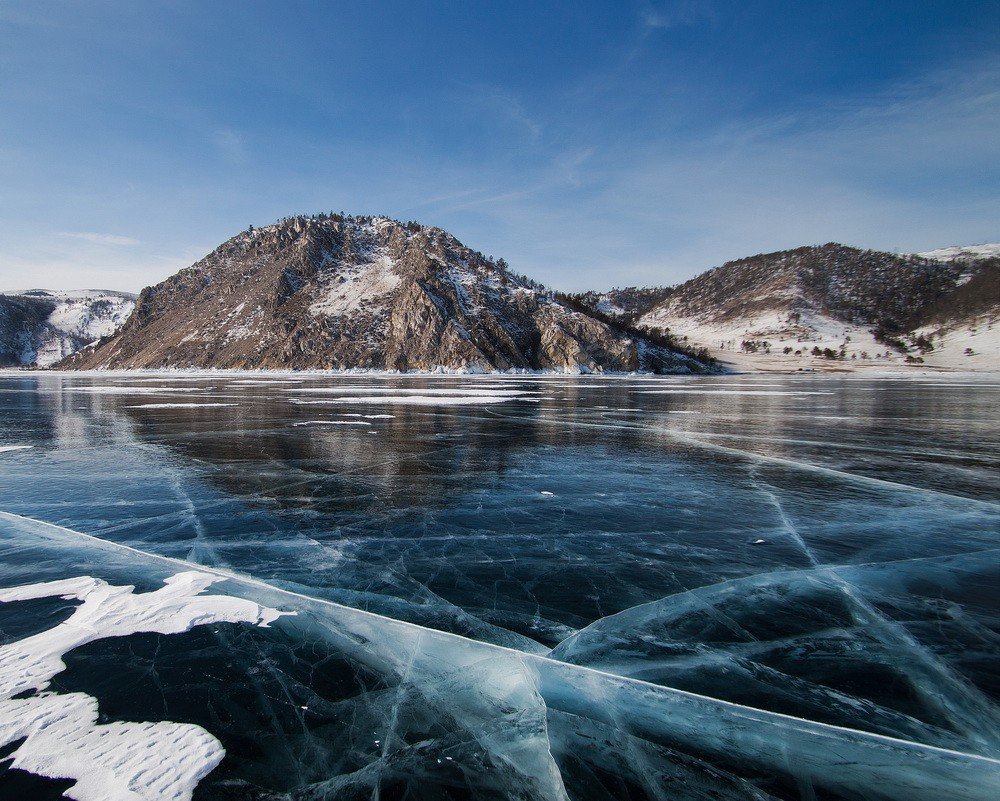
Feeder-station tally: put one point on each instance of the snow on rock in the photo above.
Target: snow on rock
(41, 327)
(607, 306)
(960, 252)
(357, 285)
(116, 761)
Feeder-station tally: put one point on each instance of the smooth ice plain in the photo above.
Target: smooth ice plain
(540, 587)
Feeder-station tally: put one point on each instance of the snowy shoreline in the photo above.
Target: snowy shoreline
(875, 371)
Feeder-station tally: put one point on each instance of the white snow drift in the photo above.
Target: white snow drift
(62, 739)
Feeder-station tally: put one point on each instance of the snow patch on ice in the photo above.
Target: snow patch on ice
(333, 423)
(115, 761)
(412, 396)
(175, 405)
(425, 400)
(367, 390)
(729, 392)
(113, 390)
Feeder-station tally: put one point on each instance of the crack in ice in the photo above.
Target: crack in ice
(834, 757)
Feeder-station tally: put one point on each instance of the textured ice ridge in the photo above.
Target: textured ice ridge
(505, 700)
(62, 739)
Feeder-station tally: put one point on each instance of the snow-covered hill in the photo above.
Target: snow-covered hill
(963, 253)
(831, 307)
(779, 339)
(40, 327)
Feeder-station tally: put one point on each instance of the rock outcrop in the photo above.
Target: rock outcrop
(365, 292)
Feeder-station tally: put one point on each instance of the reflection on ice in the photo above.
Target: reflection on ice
(600, 594)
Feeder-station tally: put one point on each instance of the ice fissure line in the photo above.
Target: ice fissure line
(802, 725)
(969, 710)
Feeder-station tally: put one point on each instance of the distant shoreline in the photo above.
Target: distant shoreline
(875, 371)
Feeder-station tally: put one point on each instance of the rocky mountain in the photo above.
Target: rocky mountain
(330, 291)
(40, 327)
(831, 302)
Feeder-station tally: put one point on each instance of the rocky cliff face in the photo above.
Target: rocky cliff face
(39, 327)
(369, 292)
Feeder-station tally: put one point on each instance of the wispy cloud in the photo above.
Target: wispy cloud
(508, 108)
(676, 14)
(101, 239)
(57, 263)
(903, 169)
(231, 145)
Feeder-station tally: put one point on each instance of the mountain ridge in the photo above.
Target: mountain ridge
(332, 291)
(341, 292)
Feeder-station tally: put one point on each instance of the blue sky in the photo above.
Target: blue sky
(590, 144)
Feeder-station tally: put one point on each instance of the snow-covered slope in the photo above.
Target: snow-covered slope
(972, 344)
(40, 327)
(809, 307)
(830, 307)
(777, 339)
(963, 253)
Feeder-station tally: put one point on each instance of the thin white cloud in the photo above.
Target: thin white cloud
(877, 170)
(59, 263)
(676, 14)
(101, 239)
(231, 145)
(506, 107)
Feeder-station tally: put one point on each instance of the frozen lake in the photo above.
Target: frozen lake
(534, 587)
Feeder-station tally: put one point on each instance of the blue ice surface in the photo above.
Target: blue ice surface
(592, 590)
